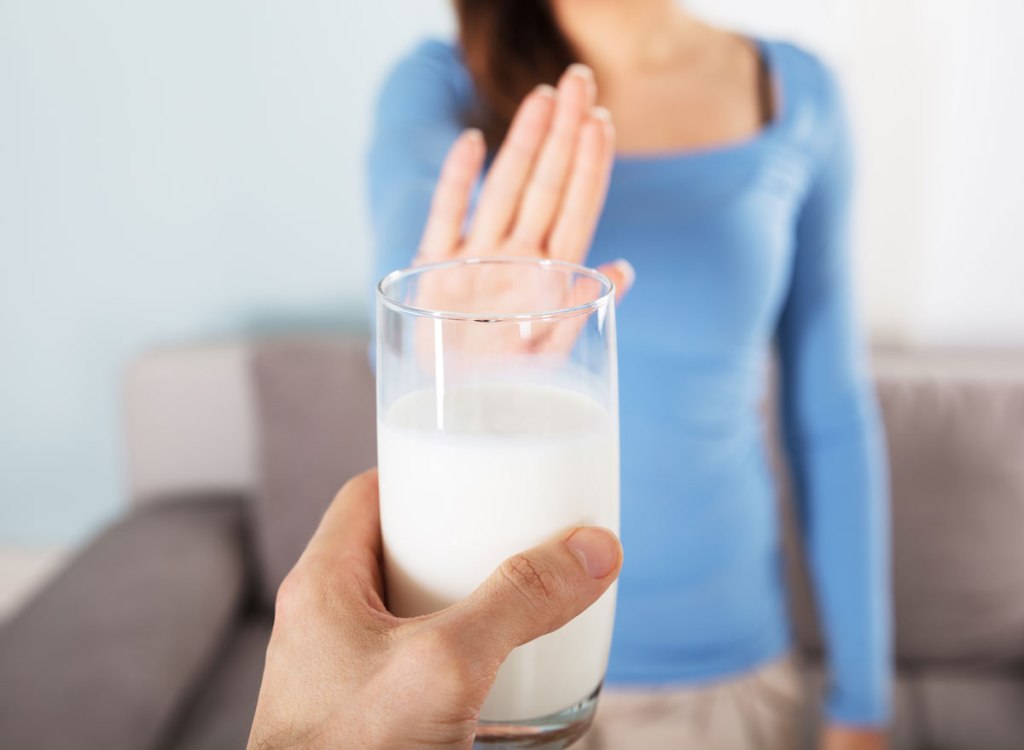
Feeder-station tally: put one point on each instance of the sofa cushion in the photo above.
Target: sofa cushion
(970, 709)
(955, 433)
(316, 408)
(109, 651)
(956, 446)
(220, 713)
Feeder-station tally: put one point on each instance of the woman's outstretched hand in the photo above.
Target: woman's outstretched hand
(851, 738)
(544, 192)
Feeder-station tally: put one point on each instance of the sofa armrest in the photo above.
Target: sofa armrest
(109, 650)
(190, 422)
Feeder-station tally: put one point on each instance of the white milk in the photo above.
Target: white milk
(514, 465)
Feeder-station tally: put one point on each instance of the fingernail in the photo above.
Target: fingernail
(581, 70)
(627, 271)
(474, 134)
(545, 90)
(602, 114)
(597, 550)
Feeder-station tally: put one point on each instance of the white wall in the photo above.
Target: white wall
(933, 87)
(971, 283)
(172, 170)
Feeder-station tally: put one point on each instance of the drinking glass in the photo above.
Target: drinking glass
(497, 410)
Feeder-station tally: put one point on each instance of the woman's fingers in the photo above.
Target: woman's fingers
(507, 176)
(576, 93)
(585, 193)
(451, 197)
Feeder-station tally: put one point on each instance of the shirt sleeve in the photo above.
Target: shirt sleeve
(418, 117)
(834, 439)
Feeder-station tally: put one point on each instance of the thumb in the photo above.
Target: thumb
(537, 591)
(622, 274)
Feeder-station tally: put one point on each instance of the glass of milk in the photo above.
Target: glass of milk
(497, 408)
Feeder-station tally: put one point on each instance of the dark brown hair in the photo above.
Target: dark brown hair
(510, 46)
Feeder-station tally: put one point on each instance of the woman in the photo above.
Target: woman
(729, 194)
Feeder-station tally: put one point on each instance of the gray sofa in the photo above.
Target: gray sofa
(153, 636)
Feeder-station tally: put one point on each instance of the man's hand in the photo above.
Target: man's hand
(849, 738)
(342, 672)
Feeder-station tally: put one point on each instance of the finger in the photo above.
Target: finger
(507, 176)
(451, 197)
(543, 193)
(348, 537)
(536, 592)
(588, 185)
(622, 275)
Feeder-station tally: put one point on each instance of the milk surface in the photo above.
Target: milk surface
(513, 465)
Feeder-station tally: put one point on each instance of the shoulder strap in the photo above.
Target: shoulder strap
(765, 94)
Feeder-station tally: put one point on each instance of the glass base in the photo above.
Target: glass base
(552, 732)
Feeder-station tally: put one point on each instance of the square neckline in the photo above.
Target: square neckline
(765, 134)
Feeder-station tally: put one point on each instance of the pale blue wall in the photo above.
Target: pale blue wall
(168, 171)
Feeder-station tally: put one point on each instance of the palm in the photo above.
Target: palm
(541, 199)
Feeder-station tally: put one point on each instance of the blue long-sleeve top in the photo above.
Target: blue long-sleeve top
(738, 249)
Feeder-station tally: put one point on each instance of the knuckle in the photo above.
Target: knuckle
(522, 145)
(290, 596)
(497, 198)
(302, 592)
(537, 583)
(547, 186)
(565, 129)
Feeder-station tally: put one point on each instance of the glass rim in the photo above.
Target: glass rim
(604, 297)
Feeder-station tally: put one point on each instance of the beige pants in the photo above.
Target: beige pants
(762, 710)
